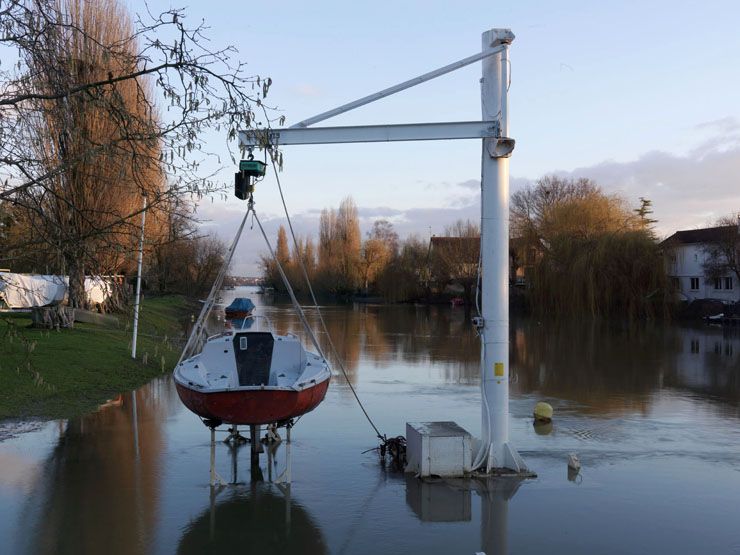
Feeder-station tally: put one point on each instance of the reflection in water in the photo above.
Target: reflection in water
(707, 362)
(100, 485)
(450, 501)
(604, 367)
(263, 520)
(134, 479)
(610, 368)
(394, 335)
(495, 495)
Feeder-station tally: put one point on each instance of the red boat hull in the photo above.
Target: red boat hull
(256, 406)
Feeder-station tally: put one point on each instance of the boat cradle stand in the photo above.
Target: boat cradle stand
(235, 440)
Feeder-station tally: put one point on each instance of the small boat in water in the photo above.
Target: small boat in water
(252, 377)
(241, 307)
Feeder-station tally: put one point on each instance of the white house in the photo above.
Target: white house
(685, 256)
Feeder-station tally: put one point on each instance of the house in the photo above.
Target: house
(688, 254)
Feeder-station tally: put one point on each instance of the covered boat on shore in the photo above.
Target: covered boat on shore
(252, 377)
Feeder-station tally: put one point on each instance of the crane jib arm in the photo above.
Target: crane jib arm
(368, 133)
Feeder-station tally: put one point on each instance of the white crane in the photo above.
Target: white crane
(495, 453)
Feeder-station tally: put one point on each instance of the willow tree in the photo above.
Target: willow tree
(594, 255)
(99, 110)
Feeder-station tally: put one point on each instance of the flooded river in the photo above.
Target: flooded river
(653, 413)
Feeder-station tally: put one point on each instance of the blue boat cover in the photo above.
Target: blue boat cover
(240, 304)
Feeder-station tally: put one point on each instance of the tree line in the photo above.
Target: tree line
(574, 250)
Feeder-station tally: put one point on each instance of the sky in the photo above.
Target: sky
(642, 97)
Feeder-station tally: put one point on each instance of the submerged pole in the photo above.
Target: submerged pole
(138, 282)
(213, 457)
(254, 439)
(495, 259)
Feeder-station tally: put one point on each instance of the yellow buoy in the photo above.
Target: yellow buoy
(543, 412)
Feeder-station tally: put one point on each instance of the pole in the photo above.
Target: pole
(138, 282)
(495, 259)
(254, 439)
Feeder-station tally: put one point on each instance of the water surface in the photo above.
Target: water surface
(653, 413)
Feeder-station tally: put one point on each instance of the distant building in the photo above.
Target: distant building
(686, 257)
(461, 257)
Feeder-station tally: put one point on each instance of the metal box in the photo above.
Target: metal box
(438, 449)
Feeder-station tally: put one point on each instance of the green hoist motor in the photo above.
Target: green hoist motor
(249, 172)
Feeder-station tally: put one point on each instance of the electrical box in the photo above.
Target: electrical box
(438, 449)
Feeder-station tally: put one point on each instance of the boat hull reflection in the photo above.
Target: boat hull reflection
(259, 520)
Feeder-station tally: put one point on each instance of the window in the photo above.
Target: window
(695, 346)
(728, 283)
(694, 284)
(243, 343)
(718, 283)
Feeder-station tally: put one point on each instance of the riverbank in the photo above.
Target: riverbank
(48, 374)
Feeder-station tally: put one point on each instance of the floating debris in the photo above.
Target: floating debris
(573, 462)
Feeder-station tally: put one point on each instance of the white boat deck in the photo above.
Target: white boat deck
(241, 360)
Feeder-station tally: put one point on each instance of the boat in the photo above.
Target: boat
(241, 307)
(252, 377)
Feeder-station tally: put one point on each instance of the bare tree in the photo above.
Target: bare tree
(723, 253)
(383, 231)
(380, 247)
(99, 110)
(374, 256)
(339, 248)
(554, 206)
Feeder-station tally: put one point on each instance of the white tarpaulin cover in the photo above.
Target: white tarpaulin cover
(27, 290)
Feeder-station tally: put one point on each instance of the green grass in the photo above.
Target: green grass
(50, 374)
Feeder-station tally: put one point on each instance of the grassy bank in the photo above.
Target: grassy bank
(49, 374)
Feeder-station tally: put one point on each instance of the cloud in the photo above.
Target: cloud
(687, 191)
(727, 125)
(378, 213)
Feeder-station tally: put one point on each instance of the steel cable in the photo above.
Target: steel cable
(316, 304)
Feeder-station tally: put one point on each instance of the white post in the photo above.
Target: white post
(138, 282)
(495, 259)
